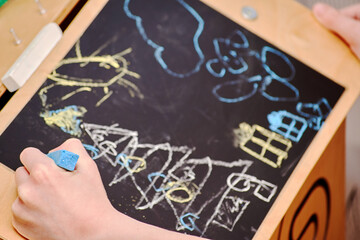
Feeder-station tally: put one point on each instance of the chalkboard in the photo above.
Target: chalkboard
(194, 122)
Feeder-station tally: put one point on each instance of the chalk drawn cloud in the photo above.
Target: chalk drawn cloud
(154, 29)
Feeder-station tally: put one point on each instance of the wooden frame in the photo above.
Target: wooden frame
(286, 24)
(25, 18)
(318, 210)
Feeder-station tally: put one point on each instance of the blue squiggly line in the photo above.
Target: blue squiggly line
(157, 174)
(92, 149)
(159, 49)
(211, 70)
(122, 156)
(189, 217)
(77, 129)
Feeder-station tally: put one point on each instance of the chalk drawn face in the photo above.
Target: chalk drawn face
(104, 65)
(113, 67)
(166, 36)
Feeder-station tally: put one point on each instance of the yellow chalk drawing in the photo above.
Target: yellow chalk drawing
(180, 187)
(116, 62)
(66, 119)
(249, 137)
(138, 162)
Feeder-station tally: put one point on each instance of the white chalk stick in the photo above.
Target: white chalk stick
(32, 57)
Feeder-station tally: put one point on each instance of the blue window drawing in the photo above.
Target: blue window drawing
(287, 124)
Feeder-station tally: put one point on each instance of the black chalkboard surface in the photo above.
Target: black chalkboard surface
(195, 123)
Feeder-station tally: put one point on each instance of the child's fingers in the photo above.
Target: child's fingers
(346, 27)
(352, 11)
(33, 157)
(21, 176)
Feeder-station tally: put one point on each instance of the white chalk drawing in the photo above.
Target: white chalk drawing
(168, 177)
(230, 211)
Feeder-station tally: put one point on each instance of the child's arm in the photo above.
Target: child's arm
(56, 204)
(344, 22)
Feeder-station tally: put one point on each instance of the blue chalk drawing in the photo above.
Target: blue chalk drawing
(316, 113)
(190, 217)
(156, 175)
(230, 57)
(67, 119)
(268, 80)
(287, 124)
(275, 77)
(160, 49)
(209, 66)
(121, 159)
(74, 118)
(264, 53)
(231, 54)
(242, 97)
(124, 160)
(92, 149)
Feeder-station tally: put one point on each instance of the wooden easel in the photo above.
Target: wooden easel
(294, 30)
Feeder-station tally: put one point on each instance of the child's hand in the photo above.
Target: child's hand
(345, 23)
(56, 204)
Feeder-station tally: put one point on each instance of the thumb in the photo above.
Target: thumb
(346, 27)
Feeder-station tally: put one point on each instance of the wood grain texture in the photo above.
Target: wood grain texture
(8, 195)
(2, 89)
(286, 24)
(312, 198)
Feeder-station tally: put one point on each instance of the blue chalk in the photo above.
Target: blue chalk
(64, 159)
